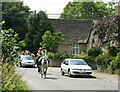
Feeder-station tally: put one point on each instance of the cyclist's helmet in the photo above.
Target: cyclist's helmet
(40, 48)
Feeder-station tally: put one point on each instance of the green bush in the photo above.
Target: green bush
(11, 80)
(112, 50)
(89, 59)
(103, 61)
(115, 64)
(60, 55)
(75, 57)
(94, 51)
(22, 86)
(57, 55)
(51, 55)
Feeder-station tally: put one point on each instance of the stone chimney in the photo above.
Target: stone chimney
(117, 10)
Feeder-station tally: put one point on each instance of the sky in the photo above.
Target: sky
(52, 7)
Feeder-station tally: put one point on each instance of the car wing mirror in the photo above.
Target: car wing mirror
(66, 63)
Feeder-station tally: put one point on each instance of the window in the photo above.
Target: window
(75, 49)
(94, 36)
(67, 62)
(77, 62)
(26, 58)
(64, 62)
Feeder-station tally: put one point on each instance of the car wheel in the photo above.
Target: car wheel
(89, 76)
(69, 73)
(62, 73)
(34, 66)
(19, 64)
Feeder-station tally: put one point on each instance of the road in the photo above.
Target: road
(55, 81)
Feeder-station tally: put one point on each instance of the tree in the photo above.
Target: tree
(108, 31)
(10, 45)
(51, 41)
(10, 79)
(87, 10)
(9, 42)
(38, 25)
(16, 15)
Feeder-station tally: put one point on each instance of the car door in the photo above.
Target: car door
(66, 66)
(63, 65)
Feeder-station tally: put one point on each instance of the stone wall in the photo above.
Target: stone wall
(67, 48)
(56, 62)
(83, 48)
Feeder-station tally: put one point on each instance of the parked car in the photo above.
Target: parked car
(75, 67)
(25, 60)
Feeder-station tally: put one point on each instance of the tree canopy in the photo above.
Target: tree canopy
(107, 31)
(37, 26)
(15, 14)
(51, 40)
(87, 10)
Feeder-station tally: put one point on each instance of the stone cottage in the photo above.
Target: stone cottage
(76, 34)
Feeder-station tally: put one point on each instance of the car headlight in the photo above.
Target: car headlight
(75, 69)
(23, 62)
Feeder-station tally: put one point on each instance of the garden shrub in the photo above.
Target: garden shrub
(75, 57)
(103, 61)
(11, 80)
(115, 64)
(50, 55)
(58, 55)
(89, 59)
(94, 51)
(112, 50)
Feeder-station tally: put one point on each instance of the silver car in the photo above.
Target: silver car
(25, 60)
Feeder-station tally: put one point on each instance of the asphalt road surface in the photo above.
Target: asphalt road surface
(54, 81)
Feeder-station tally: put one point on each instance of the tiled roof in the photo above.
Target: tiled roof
(73, 31)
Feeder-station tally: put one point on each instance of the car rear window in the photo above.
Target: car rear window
(77, 62)
(26, 58)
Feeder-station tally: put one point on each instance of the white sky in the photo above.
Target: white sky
(50, 6)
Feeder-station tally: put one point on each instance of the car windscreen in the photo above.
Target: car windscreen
(77, 62)
(26, 58)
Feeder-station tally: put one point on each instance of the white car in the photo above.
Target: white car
(75, 67)
(26, 60)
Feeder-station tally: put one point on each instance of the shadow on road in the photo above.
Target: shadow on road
(29, 67)
(52, 78)
(49, 74)
(79, 76)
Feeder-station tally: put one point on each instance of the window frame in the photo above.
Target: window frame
(75, 47)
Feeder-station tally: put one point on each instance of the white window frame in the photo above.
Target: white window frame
(94, 37)
(76, 46)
